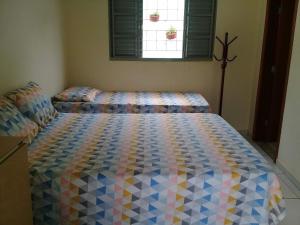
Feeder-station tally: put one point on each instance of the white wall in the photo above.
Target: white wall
(289, 151)
(31, 44)
(32, 48)
(87, 58)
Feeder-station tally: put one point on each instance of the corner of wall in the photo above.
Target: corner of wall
(261, 17)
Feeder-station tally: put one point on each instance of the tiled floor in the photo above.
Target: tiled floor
(292, 196)
(291, 192)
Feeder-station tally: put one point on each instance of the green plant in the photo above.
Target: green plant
(172, 30)
(155, 14)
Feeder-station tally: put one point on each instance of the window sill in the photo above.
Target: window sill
(196, 59)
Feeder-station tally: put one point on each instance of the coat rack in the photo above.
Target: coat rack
(225, 60)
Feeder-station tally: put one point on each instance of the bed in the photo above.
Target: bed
(137, 102)
(149, 169)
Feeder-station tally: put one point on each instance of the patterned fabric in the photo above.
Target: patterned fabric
(138, 102)
(33, 103)
(77, 94)
(150, 169)
(13, 123)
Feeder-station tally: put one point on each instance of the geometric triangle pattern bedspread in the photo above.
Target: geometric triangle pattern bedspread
(138, 102)
(93, 169)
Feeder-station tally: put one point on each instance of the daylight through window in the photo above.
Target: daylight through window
(163, 26)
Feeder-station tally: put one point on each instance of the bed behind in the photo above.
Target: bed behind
(150, 169)
(138, 102)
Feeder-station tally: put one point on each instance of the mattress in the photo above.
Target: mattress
(149, 169)
(138, 102)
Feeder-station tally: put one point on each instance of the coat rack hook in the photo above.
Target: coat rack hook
(236, 37)
(221, 42)
(225, 60)
(232, 59)
(217, 59)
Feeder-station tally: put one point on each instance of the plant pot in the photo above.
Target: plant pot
(171, 35)
(154, 18)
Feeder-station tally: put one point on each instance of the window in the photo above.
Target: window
(162, 29)
(163, 25)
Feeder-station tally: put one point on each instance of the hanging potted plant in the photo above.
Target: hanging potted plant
(154, 17)
(171, 33)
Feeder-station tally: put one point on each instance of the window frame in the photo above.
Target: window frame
(140, 25)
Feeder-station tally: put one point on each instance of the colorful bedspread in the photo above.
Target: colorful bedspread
(138, 102)
(149, 169)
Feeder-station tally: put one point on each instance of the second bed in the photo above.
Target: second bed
(131, 102)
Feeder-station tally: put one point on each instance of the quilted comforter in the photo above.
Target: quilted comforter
(93, 169)
(138, 102)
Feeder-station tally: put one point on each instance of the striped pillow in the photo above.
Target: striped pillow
(33, 103)
(13, 123)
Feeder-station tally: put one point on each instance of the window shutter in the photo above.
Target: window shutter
(125, 28)
(199, 28)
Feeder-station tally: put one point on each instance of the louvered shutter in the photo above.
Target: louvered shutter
(199, 28)
(126, 28)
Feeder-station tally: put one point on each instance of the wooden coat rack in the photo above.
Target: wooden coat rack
(225, 60)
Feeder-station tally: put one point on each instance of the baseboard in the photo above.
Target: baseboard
(288, 174)
(244, 133)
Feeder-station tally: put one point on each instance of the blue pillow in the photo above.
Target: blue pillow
(13, 123)
(33, 103)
